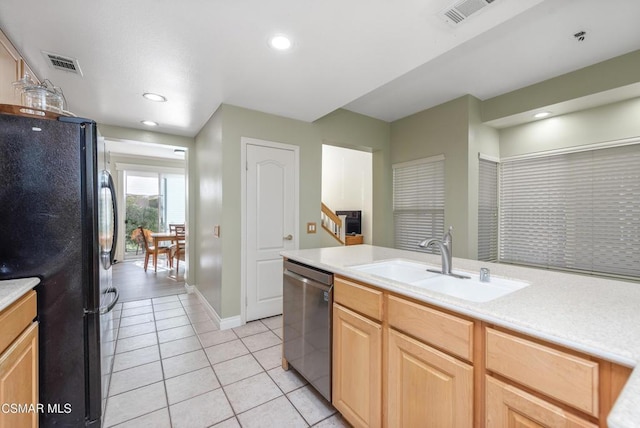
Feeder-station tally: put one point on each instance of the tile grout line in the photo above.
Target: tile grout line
(210, 365)
(164, 378)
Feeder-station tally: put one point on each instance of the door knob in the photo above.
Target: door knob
(289, 237)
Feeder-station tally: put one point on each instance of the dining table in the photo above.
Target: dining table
(157, 238)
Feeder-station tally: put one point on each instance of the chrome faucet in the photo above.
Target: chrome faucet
(445, 245)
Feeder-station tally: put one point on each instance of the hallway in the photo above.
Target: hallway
(134, 283)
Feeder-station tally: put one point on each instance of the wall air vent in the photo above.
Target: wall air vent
(60, 62)
(463, 9)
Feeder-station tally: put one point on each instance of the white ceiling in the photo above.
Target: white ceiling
(382, 58)
(144, 150)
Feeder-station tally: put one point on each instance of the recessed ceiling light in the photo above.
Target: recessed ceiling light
(149, 122)
(542, 114)
(280, 42)
(154, 97)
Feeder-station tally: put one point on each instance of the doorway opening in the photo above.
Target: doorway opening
(347, 190)
(154, 200)
(152, 192)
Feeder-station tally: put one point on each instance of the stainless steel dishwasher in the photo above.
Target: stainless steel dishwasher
(307, 302)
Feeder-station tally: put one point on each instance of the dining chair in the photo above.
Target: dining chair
(172, 227)
(151, 250)
(178, 248)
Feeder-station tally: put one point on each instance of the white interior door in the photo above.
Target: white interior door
(271, 225)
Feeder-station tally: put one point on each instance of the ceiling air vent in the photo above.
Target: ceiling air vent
(63, 63)
(463, 9)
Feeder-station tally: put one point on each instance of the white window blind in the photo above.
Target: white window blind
(488, 211)
(418, 202)
(578, 211)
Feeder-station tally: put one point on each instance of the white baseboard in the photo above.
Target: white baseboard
(222, 323)
(189, 288)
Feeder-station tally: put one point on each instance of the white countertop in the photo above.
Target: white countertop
(597, 316)
(13, 289)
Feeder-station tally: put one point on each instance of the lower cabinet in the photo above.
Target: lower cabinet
(357, 367)
(441, 369)
(19, 365)
(510, 407)
(426, 387)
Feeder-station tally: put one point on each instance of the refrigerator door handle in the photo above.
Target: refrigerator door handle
(110, 306)
(114, 202)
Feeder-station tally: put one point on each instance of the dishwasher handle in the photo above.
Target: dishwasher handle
(308, 281)
(306, 271)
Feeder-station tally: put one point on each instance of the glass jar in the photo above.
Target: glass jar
(42, 98)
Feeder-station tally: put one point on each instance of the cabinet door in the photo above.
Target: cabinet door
(9, 69)
(426, 387)
(19, 381)
(357, 367)
(508, 406)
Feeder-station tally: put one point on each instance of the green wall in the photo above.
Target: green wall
(610, 122)
(458, 130)
(207, 168)
(611, 74)
(454, 130)
(218, 275)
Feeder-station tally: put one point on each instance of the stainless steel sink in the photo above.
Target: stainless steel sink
(415, 274)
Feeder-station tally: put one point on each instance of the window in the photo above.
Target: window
(578, 211)
(488, 210)
(154, 199)
(418, 201)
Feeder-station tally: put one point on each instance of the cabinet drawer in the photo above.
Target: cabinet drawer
(16, 318)
(447, 332)
(360, 298)
(510, 406)
(565, 377)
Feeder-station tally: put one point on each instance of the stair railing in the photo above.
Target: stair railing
(332, 223)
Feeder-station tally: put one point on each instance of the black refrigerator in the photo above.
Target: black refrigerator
(58, 220)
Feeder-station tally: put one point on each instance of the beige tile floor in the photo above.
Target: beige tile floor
(173, 368)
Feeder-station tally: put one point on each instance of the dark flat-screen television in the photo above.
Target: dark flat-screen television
(353, 221)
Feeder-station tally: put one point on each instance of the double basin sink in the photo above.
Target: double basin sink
(416, 274)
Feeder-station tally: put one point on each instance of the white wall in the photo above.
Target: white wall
(347, 178)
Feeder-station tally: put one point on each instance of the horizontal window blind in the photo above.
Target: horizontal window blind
(418, 202)
(578, 211)
(488, 211)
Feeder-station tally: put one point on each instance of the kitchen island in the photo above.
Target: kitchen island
(595, 316)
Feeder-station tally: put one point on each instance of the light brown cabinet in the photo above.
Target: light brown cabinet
(357, 353)
(535, 384)
(426, 387)
(568, 378)
(381, 339)
(12, 68)
(510, 407)
(357, 367)
(19, 364)
(9, 71)
(402, 363)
